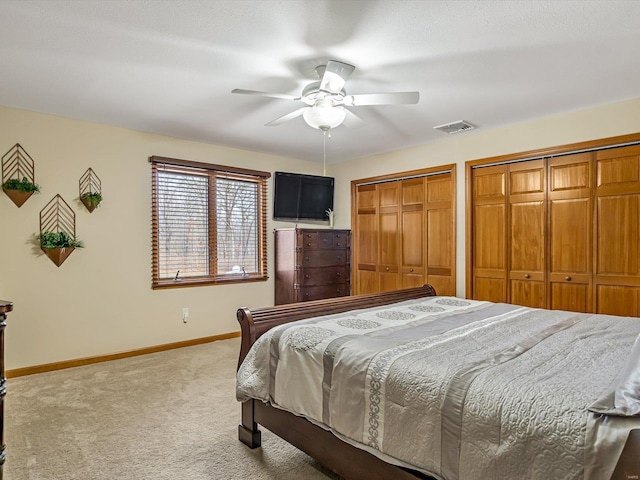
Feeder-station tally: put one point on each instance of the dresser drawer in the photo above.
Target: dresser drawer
(341, 240)
(324, 275)
(323, 239)
(322, 258)
(326, 291)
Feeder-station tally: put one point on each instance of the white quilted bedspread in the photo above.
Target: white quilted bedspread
(458, 389)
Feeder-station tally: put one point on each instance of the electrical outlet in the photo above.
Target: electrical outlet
(185, 314)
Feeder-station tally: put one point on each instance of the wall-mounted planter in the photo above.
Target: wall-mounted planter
(18, 177)
(58, 230)
(58, 255)
(18, 196)
(90, 188)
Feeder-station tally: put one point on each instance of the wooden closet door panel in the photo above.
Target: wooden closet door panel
(440, 244)
(527, 233)
(570, 236)
(367, 281)
(412, 227)
(570, 254)
(617, 235)
(617, 232)
(570, 232)
(618, 300)
(412, 238)
(527, 254)
(389, 252)
(366, 240)
(488, 230)
(389, 236)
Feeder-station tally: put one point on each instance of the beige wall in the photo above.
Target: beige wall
(100, 300)
(599, 122)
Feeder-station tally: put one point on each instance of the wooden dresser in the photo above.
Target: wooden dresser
(312, 264)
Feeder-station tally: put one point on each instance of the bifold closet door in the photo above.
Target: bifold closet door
(617, 257)
(570, 232)
(489, 233)
(389, 238)
(365, 239)
(527, 233)
(413, 233)
(440, 241)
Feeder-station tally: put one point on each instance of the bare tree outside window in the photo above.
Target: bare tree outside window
(237, 219)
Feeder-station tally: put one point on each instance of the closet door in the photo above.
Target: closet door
(389, 236)
(365, 240)
(527, 228)
(570, 232)
(440, 242)
(489, 221)
(617, 234)
(413, 233)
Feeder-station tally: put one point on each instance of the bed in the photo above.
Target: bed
(407, 384)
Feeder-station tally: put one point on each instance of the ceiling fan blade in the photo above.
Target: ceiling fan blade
(265, 94)
(352, 120)
(335, 76)
(395, 98)
(286, 118)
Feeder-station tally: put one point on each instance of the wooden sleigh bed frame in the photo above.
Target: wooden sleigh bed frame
(338, 456)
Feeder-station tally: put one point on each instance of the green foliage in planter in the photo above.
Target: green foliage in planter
(92, 198)
(58, 240)
(23, 185)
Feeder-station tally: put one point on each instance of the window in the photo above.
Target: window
(208, 223)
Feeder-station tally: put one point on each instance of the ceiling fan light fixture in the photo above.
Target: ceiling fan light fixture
(324, 116)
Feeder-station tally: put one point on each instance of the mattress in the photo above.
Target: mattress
(460, 389)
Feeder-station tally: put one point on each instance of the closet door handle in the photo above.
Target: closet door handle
(526, 275)
(568, 279)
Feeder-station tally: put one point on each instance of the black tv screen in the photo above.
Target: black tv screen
(302, 197)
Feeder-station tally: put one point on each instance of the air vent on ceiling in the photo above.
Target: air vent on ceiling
(455, 127)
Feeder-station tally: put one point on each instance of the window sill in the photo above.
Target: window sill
(201, 282)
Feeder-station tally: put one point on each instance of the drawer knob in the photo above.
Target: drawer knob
(526, 275)
(324, 240)
(411, 270)
(307, 276)
(338, 244)
(387, 269)
(568, 279)
(338, 273)
(308, 244)
(338, 290)
(306, 258)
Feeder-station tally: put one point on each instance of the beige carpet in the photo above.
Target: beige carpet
(170, 415)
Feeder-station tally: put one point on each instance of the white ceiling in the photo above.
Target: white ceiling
(168, 66)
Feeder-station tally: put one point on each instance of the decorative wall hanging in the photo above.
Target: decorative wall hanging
(90, 190)
(58, 230)
(18, 175)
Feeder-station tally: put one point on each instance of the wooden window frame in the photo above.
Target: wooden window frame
(210, 170)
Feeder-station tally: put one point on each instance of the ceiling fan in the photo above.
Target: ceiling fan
(326, 100)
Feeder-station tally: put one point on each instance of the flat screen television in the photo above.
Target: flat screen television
(302, 197)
